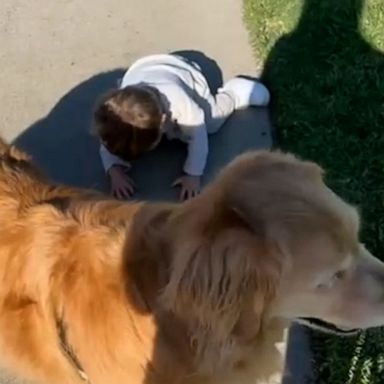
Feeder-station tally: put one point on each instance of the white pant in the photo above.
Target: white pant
(217, 107)
(221, 107)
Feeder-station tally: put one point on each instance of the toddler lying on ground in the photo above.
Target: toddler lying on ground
(166, 95)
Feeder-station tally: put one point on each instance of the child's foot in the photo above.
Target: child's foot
(247, 92)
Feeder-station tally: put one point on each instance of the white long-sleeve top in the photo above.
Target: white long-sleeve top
(185, 91)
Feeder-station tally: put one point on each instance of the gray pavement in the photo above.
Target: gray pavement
(57, 57)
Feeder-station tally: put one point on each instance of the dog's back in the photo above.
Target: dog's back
(26, 336)
(54, 243)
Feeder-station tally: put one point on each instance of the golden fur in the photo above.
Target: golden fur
(199, 292)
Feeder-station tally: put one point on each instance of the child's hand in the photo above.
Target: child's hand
(122, 186)
(190, 186)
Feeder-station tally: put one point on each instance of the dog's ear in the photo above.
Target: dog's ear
(219, 272)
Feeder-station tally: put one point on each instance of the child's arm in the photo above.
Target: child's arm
(196, 160)
(122, 186)
(109, 160)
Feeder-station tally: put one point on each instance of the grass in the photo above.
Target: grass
(324, 64)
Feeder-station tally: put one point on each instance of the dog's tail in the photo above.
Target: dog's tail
(11, 152)
(12, 157)
(3, 146)
(20, 180)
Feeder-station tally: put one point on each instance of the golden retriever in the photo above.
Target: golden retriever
(100, 291)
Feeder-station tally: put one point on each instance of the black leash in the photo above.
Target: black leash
(68, 351)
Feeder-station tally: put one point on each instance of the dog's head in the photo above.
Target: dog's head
(268, 240)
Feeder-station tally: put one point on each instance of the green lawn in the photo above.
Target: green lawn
(324, 64)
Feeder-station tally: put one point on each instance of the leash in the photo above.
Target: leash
(68, 351)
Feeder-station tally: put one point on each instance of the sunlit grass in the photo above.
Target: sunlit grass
(325, 68)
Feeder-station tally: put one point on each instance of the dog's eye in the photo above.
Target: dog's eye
(339, 275)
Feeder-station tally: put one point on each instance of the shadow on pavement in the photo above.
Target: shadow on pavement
(63, 147)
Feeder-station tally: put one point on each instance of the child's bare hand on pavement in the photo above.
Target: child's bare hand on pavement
(122, 186)
(189, 186)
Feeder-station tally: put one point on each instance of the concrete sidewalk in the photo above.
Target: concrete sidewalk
(48, 48)
(57, 57)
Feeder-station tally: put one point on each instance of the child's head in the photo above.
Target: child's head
(128, 121)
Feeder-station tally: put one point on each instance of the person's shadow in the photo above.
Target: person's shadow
(327, 83)
(325, 65)
(62, 145)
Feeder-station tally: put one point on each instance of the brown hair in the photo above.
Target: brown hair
(128, 120)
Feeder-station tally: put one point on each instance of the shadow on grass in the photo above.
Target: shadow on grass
(327, 83)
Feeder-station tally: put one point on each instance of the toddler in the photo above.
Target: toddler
(166, 95)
